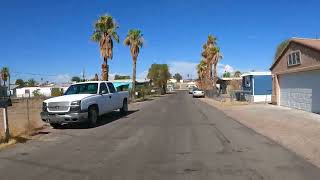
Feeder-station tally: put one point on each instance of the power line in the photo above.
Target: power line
(34, 74)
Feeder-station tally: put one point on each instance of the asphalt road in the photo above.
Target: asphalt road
(172, 138)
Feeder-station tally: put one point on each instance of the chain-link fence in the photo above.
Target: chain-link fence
(231, 96)
(23, 116)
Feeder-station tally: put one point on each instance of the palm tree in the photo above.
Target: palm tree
(209, 50)
(20, 83)
(201, 69)
(5, 74)
(237, 74)
(216, 58)
(105, 33)
(31, 83)
(134, 40)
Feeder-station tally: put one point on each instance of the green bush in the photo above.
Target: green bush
(56, 92)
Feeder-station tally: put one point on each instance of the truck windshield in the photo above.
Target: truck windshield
(87, 88)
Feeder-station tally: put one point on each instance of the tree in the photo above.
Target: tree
(216, 60)
(177, 76)
(202, 71)
(104, 33)
(280, 48)
(237, 74)
(119, 77)
(211, 55)
(159, 75)
(20, 83)
(208, 52)
(31, 83)
(226, 75)
(75, 79)
(5, 74)
(134, 40)
(96, 77)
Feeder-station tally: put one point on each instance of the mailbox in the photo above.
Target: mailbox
(5, 102)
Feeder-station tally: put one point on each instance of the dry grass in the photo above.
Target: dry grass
(19, 123)
(14, 140)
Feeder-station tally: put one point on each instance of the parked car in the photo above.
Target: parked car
(198, 93)
(191, 89)
(84, 102)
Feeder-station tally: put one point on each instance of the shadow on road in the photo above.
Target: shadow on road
(105, 119)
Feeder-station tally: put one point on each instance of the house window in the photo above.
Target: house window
(294, 58)
(247, 81)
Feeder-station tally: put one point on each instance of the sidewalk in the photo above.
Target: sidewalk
(296, 130)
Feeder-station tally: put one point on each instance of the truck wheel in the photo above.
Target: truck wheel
(55, 125)
(124, 108)
(92, 117)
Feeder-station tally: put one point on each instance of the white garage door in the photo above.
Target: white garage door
(301, 90)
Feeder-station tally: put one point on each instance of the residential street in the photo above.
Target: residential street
(173, 137)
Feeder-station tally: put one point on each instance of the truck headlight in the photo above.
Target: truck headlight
(44, 107)
(75, 106)
(75, 103)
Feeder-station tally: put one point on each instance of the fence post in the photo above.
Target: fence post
(6, 125)
(28, 118)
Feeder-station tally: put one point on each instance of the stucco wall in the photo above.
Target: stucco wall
(309, 58)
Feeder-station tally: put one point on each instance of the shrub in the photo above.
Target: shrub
(56, 92)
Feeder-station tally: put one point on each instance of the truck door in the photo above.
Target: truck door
(114, 96)
(105, 100)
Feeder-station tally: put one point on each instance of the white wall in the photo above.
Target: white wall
(262, 98)
(21, 92)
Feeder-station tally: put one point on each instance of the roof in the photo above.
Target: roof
(231, 78)
(310, 43)
(130, 80)
(261, 73)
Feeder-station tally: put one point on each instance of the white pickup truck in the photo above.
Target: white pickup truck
(84, 102)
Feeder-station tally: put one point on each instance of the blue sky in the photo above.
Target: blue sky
(53, 37)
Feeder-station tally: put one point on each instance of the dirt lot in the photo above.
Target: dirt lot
(18, 117)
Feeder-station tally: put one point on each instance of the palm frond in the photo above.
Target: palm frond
(96, 36)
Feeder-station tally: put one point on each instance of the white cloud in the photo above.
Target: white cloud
(184, 68)
(142, 75)
(61, 78)
(224, 68)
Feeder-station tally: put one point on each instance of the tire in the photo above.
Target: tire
(124, 108)
(92, 117)
(55, 125)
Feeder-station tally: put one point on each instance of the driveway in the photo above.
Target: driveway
(174, 137)
(295, 129)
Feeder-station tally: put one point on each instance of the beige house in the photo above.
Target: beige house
(296, 75)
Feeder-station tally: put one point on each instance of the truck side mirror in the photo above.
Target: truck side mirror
(103, 92)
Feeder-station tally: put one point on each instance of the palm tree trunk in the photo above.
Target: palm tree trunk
(105, 70)
(215, 75)
(134, 66)
(210, 71)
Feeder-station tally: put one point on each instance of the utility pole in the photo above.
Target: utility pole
(83, 75)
